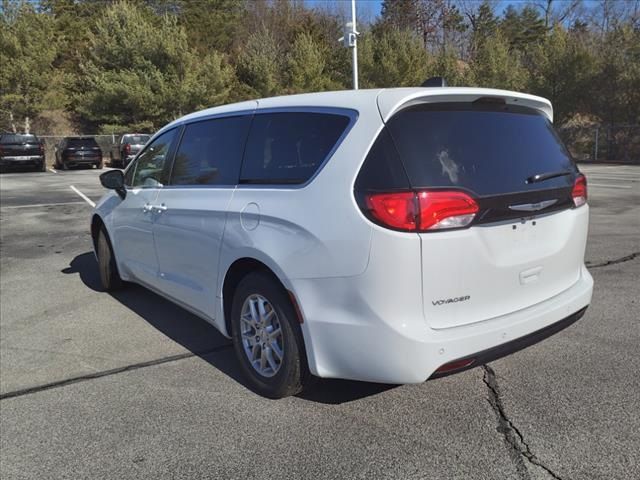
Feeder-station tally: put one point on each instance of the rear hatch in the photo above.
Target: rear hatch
(522, 239)
(83, 148)
(20, 146)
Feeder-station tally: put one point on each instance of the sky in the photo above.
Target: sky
(368, 10)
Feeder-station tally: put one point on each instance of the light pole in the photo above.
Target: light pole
(350, 40)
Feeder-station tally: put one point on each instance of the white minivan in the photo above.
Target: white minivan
(390, 235)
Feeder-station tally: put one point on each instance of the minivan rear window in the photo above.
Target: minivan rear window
(289, 147)
(486, 149)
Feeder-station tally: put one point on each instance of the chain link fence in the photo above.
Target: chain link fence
(603, 143)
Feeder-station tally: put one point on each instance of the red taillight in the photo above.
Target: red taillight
(395, 210)
(440, 210)
(41, 148)
(579, 192)
(127, 148)
(422, 210)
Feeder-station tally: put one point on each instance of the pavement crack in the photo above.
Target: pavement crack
(615, 261)
(519, 449)
(107, 373)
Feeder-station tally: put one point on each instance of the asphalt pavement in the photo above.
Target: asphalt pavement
(95, 385)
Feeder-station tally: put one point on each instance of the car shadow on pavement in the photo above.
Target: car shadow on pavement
(203, 340)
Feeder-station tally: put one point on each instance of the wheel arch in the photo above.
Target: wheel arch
(236, 271)
(96, 224)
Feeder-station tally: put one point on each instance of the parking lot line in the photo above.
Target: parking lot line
(602, 185)
(83, 196)
(36, 205)
(52, 170)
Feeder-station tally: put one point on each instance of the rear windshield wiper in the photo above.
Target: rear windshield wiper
(541, 177)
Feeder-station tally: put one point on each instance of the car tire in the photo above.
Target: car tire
(99, 166)
(65, 166)
(43, 167)
(109, 276)
(271, 376)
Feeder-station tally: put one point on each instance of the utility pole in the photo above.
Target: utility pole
(354, 49)
(350, 40)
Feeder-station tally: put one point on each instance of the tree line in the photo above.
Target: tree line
(114, 66)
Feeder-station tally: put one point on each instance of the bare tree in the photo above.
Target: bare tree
(554, 12)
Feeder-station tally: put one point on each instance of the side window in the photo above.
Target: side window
(210, 152)
(150, 165)
(382, 169)
(289, 147)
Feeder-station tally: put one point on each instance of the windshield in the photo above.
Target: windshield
(487, 149)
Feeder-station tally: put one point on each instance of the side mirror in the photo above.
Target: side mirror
(114, 180)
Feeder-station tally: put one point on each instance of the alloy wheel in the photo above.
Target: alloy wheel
(261, 335)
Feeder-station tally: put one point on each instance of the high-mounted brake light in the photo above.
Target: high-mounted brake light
(579, 192)
(422, 210)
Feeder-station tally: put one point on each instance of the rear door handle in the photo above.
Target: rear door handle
(147, 208)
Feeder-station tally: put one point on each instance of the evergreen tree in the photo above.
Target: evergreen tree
(27, 51)
(483, 24)
(259, 66)
(522, 29)
(394, 58)
(141, 73)
(563, 72)
(495, 66)
(306, 66)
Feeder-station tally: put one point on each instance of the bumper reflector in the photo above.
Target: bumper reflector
(456, 365)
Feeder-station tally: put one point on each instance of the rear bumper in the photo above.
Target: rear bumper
(357, 338)
(73, 162)
(21, 160)
(495, 353)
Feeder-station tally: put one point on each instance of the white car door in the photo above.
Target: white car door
(189, 230)
(132, 220)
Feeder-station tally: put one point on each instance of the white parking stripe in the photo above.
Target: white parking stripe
(608, 186)
(39, 205)
(52, 170)
(83, 196)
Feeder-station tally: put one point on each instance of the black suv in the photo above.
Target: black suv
(78, 151)
(18, 150)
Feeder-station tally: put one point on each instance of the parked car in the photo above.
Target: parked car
(389, 235)
(78, 152)
(125, 149)
(22, 150)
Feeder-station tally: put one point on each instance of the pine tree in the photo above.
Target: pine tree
(141, 72)
(27, 52)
